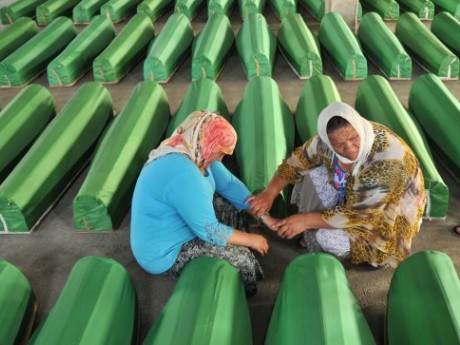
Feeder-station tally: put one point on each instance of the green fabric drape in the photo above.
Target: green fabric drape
(315, 305)
(31, 59)
(423, 9)
(387, 9)
(317, 93)
(383, 48)
(84, 12)
(208, 306)
(15, 35)
(189, 7)
(106, 193)
(53, 9)
(154, 9)
(18, 304)
(125, 51)
(315, 7)
(256, 45)
(169, 48)
(20, 8)
(266, 132)
(342, 47)
(451, 6)
(212, 47)
(54, 159)
(203, 94)
(426, 48)
(220, 6)
(76, 59)
(284, 7)
(248, 7)
(423, 305)
(438, 112)
(97, 305)
(21, 122)
(299, 46)
(376, 101)
(447, 28)
(117, 10)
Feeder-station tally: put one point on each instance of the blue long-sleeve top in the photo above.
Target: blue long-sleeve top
(172, 204)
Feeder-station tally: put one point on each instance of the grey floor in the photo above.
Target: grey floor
(47, 255)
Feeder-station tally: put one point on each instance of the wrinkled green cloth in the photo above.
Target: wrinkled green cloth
(117, 10)
(189, 7)
(220, 6)
(86, 10)
(447, 28)
(387, 9)
(15, 35)
(283, 7)
(154, 9)
(248, 7)
(423, 9)
(53, 9)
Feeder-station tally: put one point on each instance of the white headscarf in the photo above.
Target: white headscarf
(360, 124)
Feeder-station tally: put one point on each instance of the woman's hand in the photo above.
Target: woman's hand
(261, 203)
(269, 221)
(291, 226)
(259, 244)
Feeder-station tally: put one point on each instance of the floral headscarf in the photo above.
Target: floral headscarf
(198, 136)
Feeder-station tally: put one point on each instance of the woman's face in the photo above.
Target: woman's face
(345, 142)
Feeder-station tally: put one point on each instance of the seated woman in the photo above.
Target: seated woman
(356, 181)
(173, 218)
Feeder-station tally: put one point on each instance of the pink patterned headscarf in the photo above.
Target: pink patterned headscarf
(198, 136)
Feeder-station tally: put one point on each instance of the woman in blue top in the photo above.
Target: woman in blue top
(173, 217)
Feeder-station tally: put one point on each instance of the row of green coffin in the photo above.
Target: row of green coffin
(315, 305)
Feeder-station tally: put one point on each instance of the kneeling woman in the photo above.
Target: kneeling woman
(173, 217)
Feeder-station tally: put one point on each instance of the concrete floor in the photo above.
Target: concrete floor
(47, 255)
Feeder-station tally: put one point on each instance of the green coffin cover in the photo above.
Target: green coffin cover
(15, 35)
(169, 48)
(299, 47)
(220, 6)
(447, 28)
(256, 45)
(248, 7)
(212, 47)
(315, 7)
(106, 193)
(188, 7)
(342, 47)
(317, 93)
(426, 48)
(76, 59)
(423, 9)
(117, 10)
(266, 133)
(31, 59)
(315, 305)
(97, 306)
(53, 9)
(84, 12)
(387, 9)
(18, 9)
(21, 122)
(208, 306)
(17, 305)
(154, 9)
(383, 47)
(284, 7)
(125, 51)
(376, 101)
(438, 112)
(451, 6)
(60, 152)
(203, 94)
(423, 301)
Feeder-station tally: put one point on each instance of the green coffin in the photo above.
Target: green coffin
(299, 47)
(17, 305)
(383, 48)
(97, 306)
(169, 48)
(220, 6)
(53, 9)
(342, 47)
(248, 7)
(387, 9)
(31, 59)
(256, 44)
(76, 59)
(125, 51)
(117, 10)
(154, 9)
(84, 12)
(15, 35)
(208, 306)
(447, 28)
(266, 132)
(376, 101)
(284, 7)
(438, 112)
(423, 304)
(426, 48)
(317, 93)
(188, 7)
(315, 305)
(451, 6)
(203, 94)
(315, 7)
(212, 47)
(21, 122)
(18, 9)
(60, 152)
(423, 9)
(106, 193)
